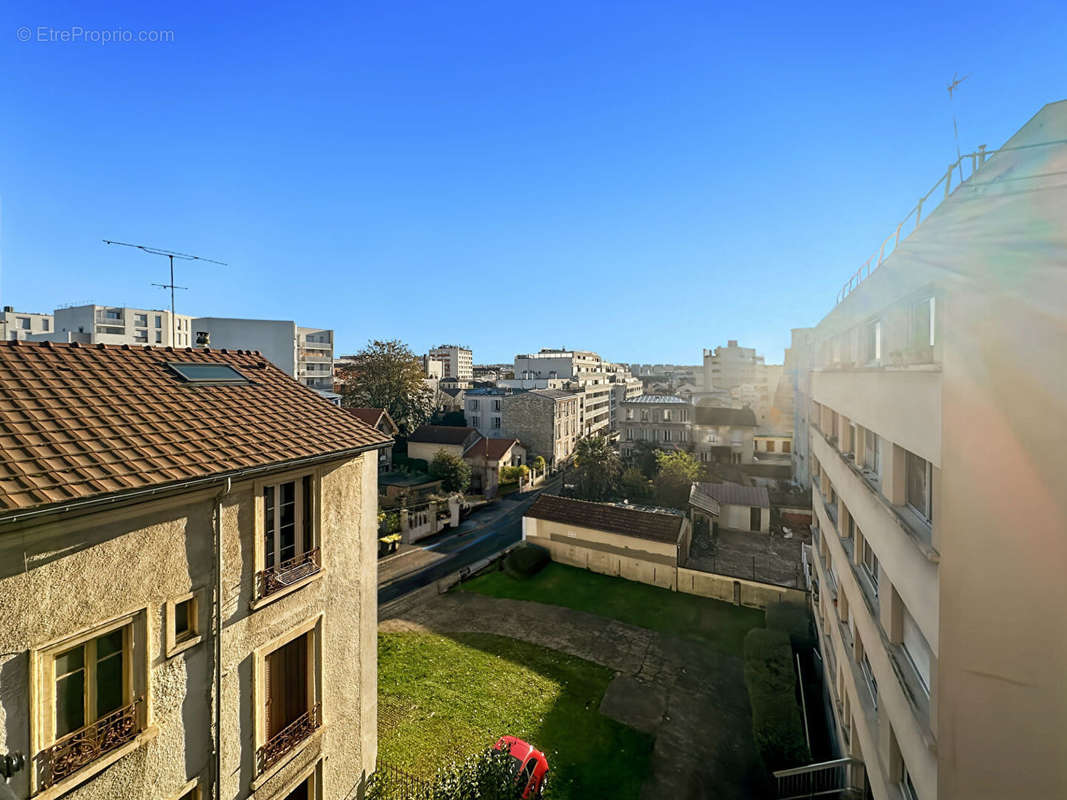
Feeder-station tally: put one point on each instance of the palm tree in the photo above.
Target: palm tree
(597, 468)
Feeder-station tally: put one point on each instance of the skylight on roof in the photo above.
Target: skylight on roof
(200, 372)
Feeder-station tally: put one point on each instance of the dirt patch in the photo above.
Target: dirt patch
(745, 554)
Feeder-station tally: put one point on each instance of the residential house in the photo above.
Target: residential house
(484, 410)
(379, 419)
(723, 435)
(547, 421)
(187, 577)
(936, 404)
(730, 505)
(484, 455)
(663, 421)
(646, 545)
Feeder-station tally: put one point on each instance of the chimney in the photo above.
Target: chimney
(203, 338)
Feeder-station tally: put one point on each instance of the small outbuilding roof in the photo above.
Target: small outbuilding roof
(656, 526)
(442, 434)
(734, 417)
(732, 494)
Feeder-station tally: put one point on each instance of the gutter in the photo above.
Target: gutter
(181, 486)
(218, 636)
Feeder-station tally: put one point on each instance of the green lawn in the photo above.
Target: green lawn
(441, 698)
(723, 625)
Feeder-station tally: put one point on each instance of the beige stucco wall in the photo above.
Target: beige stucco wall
(57, 579)
(608, 553)
(427, 450)
(735, 590)
(739, 518)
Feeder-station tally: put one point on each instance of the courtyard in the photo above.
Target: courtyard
(629, 689)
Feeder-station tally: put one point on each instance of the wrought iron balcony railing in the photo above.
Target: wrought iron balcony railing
(287, 738)
(273, 579)
(83, 746)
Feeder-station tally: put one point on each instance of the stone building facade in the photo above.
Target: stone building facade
(189, 595)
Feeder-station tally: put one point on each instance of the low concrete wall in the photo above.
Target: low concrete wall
(735, 590)
(679, 579)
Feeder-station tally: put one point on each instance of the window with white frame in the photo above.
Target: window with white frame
(290, 549)
(916, 648)
(919, 478)
(872, 342)
(870, 564)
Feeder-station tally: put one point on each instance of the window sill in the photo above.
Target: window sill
(260, 602)
(98, 766)
(314, 741)
(183, 645)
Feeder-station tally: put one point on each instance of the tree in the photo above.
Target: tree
(598, 468)
(644, 458)
(634, 485)
(387, 375)
(677, 472)
(539, 464)
(453, 472)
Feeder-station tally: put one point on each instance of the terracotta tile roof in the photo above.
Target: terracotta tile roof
(734, 494)
(656, 526)
(490, 449)
(442, 434)
(80, 421)
(372, 416)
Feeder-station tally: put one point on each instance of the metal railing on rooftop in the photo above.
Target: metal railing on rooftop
(928, 202)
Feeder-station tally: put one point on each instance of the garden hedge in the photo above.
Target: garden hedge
(769, 677)
(526, 560)
(793, 619)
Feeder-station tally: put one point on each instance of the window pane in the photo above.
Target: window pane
(309, 501)
(182, 624)
(70, 703)
(287, 520)
(109, 644)
(70, 661)
(109, 694)
(268, 523)
(916, 480)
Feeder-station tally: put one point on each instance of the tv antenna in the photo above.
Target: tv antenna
(170, 254)
(952, 87)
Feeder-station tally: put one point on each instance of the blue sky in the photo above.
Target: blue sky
(642, 179)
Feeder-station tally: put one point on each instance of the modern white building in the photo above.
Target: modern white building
(457, 361)
(303, 353)
(937, 418)
(22, 324)
(96, 324)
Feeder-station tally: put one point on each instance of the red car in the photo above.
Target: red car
(530, 765)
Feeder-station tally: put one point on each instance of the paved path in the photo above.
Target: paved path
(689, 695)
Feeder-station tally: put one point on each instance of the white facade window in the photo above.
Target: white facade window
(920, 486)
(287, 521)
(475, 422)
(870, 564)
(24, 323)
(917, 650)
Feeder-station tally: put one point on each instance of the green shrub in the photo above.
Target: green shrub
(794, 620)
(526, 560)
(770, 680)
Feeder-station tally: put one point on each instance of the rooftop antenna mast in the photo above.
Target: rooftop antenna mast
(952, 87)
(170, 254)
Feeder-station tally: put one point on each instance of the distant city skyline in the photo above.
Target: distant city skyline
(639, 182)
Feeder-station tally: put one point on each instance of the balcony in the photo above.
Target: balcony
(288, 738)
(80, 748)
(287, 573)
(843, 777)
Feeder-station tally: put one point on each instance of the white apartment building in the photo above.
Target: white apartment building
(937, 410)
(731, 366)
(22, 324)
(457, 361)
(303, 353)
(95, 324)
